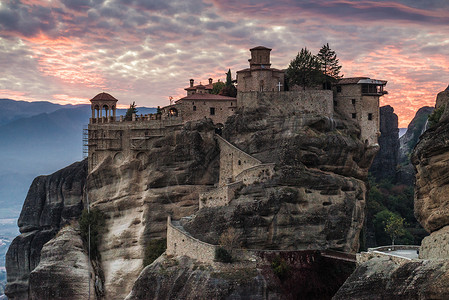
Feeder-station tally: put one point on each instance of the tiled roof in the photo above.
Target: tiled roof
(103, 97)
(195, 87)
(206, 97)
(351, 80)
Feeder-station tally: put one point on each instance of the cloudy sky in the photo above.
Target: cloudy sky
(67, 51)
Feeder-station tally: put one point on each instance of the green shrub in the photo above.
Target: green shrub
(96, 219)
(153, 250)
(280, 268)
(222, 255)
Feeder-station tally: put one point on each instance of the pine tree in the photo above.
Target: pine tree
(229, 89)
(228, 78)
(329, 63)
(304, 70)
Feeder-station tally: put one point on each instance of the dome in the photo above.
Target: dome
(103, 97)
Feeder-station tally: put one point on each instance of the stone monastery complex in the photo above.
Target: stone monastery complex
(355, 99)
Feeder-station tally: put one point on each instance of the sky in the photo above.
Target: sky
(67, 51)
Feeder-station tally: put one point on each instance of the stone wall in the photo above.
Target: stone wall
(127, 139)
(318, 102)
(260, 80)
(233, 161)
(379, 252)
(180, 243)
(220, 196)
(255, 174)
(191, 110)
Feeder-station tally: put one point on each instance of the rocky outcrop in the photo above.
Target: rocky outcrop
(137, 197)
(386, 161)
(64, 269)
(406, 172)
(382, 278)
(52, 202)
(303, 276)
(316, 198)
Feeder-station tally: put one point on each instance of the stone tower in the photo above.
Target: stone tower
(260, 77)
(357, 98)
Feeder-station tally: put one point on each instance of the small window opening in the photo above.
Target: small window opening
(212, 111)
(353, 101)
(338, 89)
(240, 162)
(370, 116)
(354, 115)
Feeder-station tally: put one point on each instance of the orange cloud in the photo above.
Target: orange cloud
(65, 59)
(411, 78)
(66, 99)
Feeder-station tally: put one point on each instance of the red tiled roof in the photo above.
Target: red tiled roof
(103, 97)
(195, 87)
(206, 97)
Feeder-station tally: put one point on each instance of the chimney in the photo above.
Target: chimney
(210, 80)
(191, 82)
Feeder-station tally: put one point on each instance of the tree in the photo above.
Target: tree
(394, 227)
(329, 63)
(304, 70)
(229, 89)
(217, 87)
(131, 110)
(228, 78)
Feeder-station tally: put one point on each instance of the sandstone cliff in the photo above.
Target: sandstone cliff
(137, 195)
(386, 161)
(428, 277)
(315, 200)
(406, 172)
(52, 201)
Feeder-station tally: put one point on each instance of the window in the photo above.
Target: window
(370, 116)
(212, 111)
(240, 162)
(353, 101)
(338, 88)
(335, 103)
(194, 108)
(354, 115)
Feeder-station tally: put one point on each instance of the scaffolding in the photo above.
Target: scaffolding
(85, 142)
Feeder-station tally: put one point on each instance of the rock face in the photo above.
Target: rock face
(63, 270)
(307, 276)
(384, 279)
(316, 198)
(137, 197)
(52, 201)
(386, 161)
(406, 172)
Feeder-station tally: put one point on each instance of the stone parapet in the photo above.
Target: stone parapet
(181, 243)
(256, 174)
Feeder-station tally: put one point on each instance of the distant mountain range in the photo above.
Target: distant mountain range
(38, 138)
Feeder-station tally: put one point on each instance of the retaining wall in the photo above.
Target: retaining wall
(181, 243)
(257, 173)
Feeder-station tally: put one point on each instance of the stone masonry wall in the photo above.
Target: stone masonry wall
(180, 243)
(220, 196)
(257, 173)
(127, 139)
(319, 102)
(233, 161)
(223, 109)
